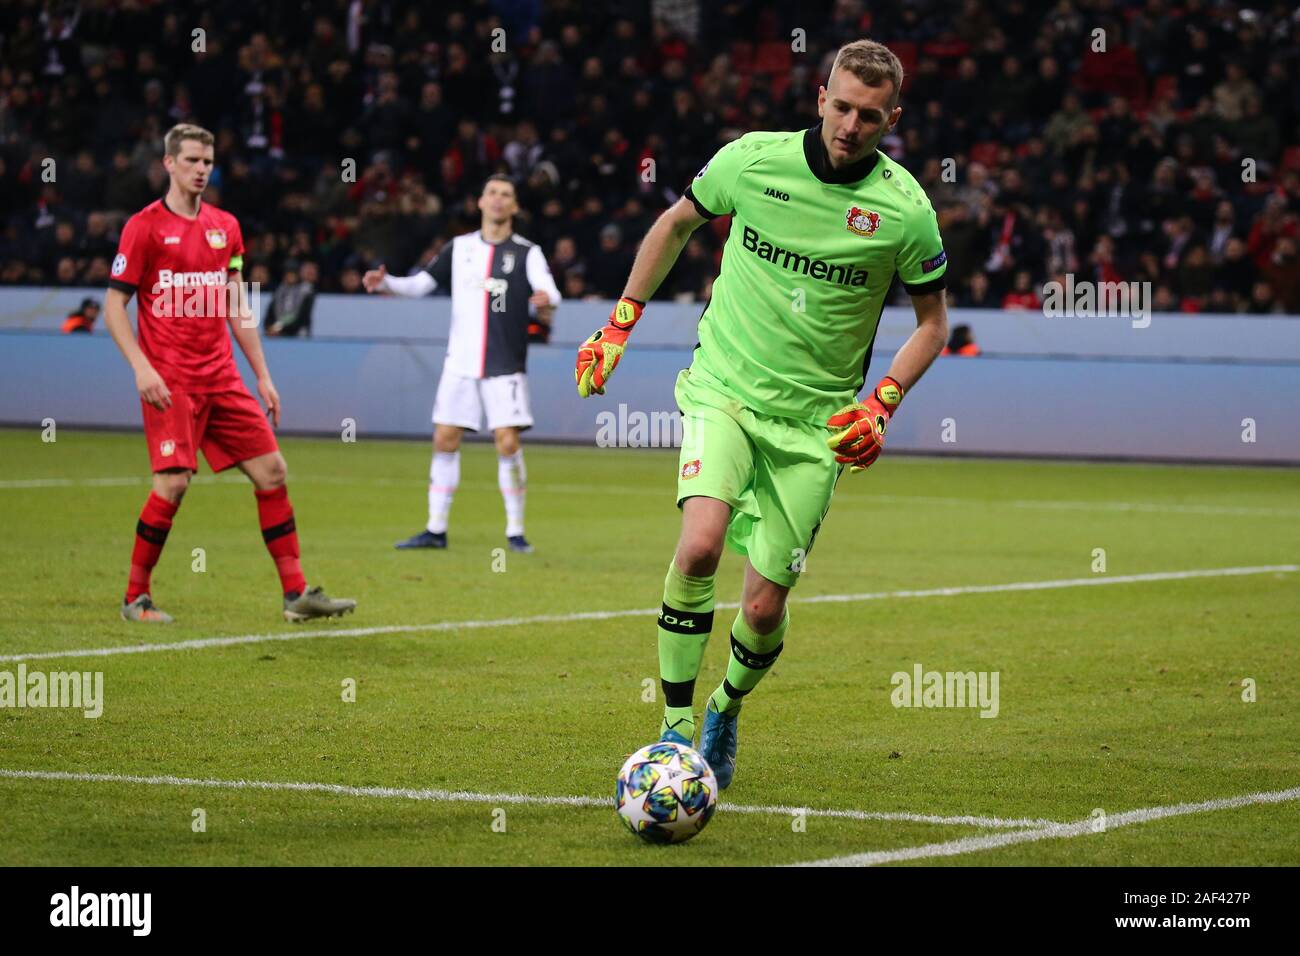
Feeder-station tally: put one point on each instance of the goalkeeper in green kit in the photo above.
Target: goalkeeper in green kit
(821, 222)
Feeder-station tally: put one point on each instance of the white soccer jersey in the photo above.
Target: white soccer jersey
(490, 287)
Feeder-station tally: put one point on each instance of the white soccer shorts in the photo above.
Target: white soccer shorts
(462, 401)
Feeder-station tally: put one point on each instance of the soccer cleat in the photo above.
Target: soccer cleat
(671, 736)
(718, 744)
(314, 602)
(142, 609)
(519, 543)
(425, 539)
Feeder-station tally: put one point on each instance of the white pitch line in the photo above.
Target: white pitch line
(853, 501)
(205, 642)
(1063, 831)
(1095, 581)
(467, 796)
(25, 483)
(1055, 504)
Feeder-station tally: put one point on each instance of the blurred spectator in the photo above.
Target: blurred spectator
(607, 272)
(83, 319)
(1262, 300)
(961, 342)
(1235, 274)
(367, 133)
(1022, 295)
(1068, 126)
(1256, 134)
(524, 152)
(1273, 223)
(1195, 278)
(1282, 272)
(1232, 93)
(565, 261)
(289, 313)
(978, 293)
(1225, 227)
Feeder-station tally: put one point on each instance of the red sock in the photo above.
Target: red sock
(281, 536)
(150, 536)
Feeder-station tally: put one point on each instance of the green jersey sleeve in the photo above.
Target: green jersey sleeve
(713, 189)
(921, 260)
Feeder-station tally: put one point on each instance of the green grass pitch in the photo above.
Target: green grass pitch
(1116, 697)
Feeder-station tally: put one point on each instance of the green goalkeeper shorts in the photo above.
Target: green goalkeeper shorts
(777, 474)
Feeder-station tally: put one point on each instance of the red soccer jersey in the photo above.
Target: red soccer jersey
(179, 268)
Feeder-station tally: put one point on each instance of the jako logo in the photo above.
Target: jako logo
(769, 191)
(103, 909)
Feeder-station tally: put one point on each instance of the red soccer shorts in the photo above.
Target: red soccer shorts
(229, 427)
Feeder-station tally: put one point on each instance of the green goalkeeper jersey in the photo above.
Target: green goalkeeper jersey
(806, 268)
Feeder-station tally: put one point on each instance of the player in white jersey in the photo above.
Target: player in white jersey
(500, 284)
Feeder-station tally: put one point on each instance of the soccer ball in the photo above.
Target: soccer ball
(666, 793)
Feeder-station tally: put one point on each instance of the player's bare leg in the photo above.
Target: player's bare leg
(150, 535)
(704, 526)
(512, 479)
(275, 514)
(444, 478)
(686, 617)
(762, 601)
(757, 637)
(172, 484)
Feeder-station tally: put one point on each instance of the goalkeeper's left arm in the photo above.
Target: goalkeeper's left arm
(859, 429)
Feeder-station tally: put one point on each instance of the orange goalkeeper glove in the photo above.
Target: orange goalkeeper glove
(599, 355)
(859, 429)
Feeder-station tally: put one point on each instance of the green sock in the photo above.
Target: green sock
(684, 625)
(752, 656)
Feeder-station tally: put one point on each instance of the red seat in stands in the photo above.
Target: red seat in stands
(1166, 87)
(742, 56)
(986, 154)
(773, 56)
(905, 50)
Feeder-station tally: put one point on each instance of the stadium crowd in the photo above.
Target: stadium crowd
(1171, 156)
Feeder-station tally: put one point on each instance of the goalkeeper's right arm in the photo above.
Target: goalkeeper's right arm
(600, 354)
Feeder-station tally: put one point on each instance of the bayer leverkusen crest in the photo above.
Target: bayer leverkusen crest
(862, 222)
(216, 238)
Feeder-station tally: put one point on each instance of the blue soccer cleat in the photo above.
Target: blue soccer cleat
(671, 736)
(425, 539)
(519, 543)
(718, 744)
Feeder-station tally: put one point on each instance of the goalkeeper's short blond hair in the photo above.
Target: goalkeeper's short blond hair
(871, 62)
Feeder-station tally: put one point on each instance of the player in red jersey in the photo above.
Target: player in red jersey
(183, 258)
